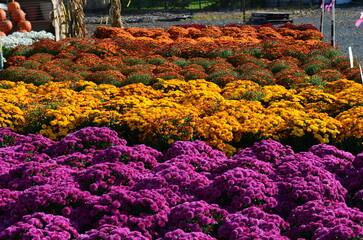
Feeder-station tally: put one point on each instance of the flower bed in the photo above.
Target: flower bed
(227, 118)
(91, 184)
(193, 132)
(228, 86)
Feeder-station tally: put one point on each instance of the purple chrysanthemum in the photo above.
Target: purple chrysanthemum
(179, 234)
(40, 226)
(268, 151)
(198, 153)
(86, 140)
(197, 216)
(240, 188)
(325, 220)
(252, 223)
(139, 154)
(108, 231)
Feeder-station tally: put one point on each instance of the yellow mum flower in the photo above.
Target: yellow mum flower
(11, 115)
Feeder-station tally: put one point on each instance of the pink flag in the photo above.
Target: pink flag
(360, 20)
(329, 5)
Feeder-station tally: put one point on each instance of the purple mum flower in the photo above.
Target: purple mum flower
(86, 140)
(108, 231)
(40, 226)
(179, 234)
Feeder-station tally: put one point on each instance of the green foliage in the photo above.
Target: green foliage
(139, 77)
(156, 61)
(181, 62)
(15, 74)
(30, 64)
(133, 61)
(200, 4)
(314, 67)
(223, 72)
(84, 74)
(316, 81)
(332, 53)
(255, 52)
(107, 77)
(343, 60)
(278, 67)
(158, 4)
(320, 58)
(134, 68)
(6, 140)
(204, 62)
(222, 53)
(79, 67)
(22, 50)
(103, 67)
(330, 75)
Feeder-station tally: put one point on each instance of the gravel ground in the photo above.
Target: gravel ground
(347, 34)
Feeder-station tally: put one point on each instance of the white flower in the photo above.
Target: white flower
(17, 38)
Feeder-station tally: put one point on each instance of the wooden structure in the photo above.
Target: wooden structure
(39, 13)
(270, 17)
(97, 6)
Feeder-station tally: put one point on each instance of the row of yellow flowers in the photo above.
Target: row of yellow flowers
(173, 110)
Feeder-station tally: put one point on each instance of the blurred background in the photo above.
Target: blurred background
(97, 5)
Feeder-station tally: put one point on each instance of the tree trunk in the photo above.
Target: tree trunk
(115, 14)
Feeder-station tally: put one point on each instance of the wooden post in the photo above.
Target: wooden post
(333, 24)
(244, 11)
(351, 57)
(55, 21)
(59, 22)
(1, 57)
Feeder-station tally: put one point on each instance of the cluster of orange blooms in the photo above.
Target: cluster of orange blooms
(271, 58)
(194, 34)
(229, 86)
